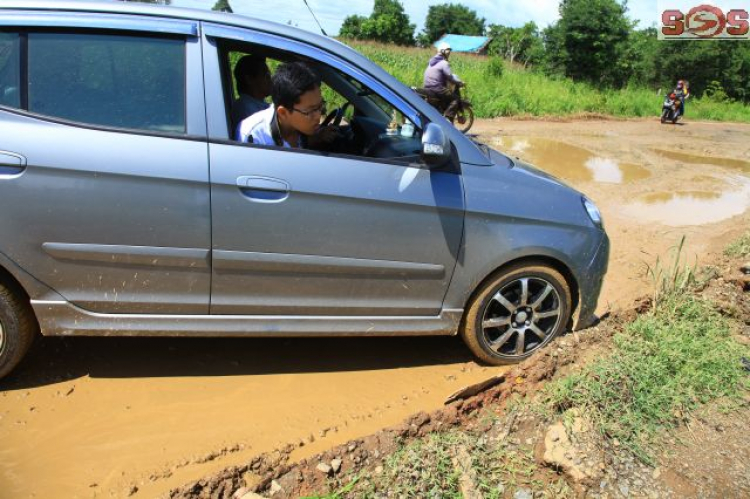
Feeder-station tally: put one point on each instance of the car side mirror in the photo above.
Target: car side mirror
(436, 148)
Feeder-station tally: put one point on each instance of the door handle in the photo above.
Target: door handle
(11, 164)
(264, 189)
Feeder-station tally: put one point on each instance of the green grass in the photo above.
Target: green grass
(664, 365)
(519, 92)
(739, 248)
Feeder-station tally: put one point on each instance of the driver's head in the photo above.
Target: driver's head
(295, 90)
(680, 84)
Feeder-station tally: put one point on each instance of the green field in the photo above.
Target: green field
(497, 89)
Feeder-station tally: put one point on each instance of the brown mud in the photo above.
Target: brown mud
(123, 417)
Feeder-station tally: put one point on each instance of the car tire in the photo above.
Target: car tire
(502, 326)
(18, 328)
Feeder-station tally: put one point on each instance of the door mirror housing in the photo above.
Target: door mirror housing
(436, 148)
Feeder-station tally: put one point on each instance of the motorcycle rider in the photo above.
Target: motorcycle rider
(437, 76)
(682, 93)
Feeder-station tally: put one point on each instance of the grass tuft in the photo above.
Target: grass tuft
(739, 248)
(664, 365)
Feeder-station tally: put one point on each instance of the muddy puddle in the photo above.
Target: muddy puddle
(688, 208)
(93, 417)
(695, 159)
(569, 162)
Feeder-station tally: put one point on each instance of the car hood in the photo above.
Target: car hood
(514, 189)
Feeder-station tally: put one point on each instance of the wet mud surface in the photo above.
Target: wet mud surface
(109, 417)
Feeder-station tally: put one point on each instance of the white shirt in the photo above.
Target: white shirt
(258, 129)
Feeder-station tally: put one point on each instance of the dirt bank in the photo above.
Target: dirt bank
(115, 417)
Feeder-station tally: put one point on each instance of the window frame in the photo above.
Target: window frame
(185, 31)
(219, 130)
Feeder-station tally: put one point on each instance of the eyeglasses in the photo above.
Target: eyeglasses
(320, 110)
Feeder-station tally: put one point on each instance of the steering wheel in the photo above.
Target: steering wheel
(336, 116)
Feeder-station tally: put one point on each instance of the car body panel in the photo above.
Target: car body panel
(134, 226)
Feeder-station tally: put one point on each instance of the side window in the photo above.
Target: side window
(364, 123)
(112, 80)
(10, 65)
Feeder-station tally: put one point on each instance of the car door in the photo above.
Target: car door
(109, 197)
(300, 233)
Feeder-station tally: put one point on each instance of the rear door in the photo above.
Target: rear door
(109, 202)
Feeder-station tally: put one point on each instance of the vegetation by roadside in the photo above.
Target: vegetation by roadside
(497, 88)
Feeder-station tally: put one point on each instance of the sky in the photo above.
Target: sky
(332, 13)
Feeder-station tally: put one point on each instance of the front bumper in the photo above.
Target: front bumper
(590, 286)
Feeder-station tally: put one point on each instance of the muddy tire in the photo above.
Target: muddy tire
(665, 116)
(18, 328)
(517, 312)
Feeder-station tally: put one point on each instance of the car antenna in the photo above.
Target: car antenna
(316, 19)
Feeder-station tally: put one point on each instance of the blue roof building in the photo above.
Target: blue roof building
(470, 44)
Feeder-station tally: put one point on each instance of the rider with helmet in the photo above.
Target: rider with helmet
(682, 93)
(438, 75)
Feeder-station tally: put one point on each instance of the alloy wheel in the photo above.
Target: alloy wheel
(520, 316)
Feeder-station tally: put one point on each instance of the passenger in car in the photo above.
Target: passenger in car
(253, 85)
(294, 119)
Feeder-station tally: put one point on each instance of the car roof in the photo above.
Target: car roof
(167, 11)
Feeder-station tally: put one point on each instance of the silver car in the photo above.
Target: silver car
(128, 209)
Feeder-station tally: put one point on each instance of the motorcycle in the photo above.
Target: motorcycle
(670, 110)
(464, 115)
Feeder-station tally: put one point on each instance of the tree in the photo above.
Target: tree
(522, 44)
(222, 6)
(450, 18)
(352, 27)
(594, 36)
(388, 23)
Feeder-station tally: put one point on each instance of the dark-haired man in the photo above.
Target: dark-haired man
(294, 119)
(253, 86)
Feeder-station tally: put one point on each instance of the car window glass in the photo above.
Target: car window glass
(111, 80)
(10, 64)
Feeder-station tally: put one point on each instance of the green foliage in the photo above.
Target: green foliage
(495, 67)
(524, 44)
(664, 365)
(222, 6)
(388, 23)
(595, 35)
(674, 277)
(703, 62)
(450, 18)
(739, 248)
(530, 93)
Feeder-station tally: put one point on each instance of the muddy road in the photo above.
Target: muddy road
(120, 417)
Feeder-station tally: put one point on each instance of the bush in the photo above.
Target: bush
(495, 67)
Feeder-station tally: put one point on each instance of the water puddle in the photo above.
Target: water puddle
(695, 159)
(570, 162)
(685, 208)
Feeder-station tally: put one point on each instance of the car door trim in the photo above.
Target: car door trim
(280, 263)
(148, 256)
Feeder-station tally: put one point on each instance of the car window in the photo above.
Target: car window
(370, 126)
(112, 80)
(10, 64)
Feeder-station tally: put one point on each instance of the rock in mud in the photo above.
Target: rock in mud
(523, 494)
(324, 468)
(336, 465)
(562, 454)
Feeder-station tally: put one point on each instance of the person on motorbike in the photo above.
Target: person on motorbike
(682, 93)
(438, 76)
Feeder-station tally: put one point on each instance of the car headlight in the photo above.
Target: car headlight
(593, 211)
